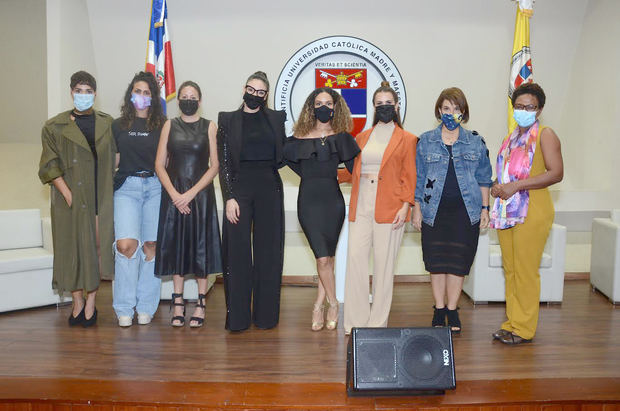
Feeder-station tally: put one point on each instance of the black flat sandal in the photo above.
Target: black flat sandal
(454, 321)
(179, 318)
(199, 304)
(439, 317)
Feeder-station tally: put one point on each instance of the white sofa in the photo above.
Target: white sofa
(485, 281)
(26, 259)
(605, 256)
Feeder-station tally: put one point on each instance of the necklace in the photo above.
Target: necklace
(323, 138)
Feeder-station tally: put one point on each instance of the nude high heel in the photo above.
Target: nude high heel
(332, 324)
(319, 309)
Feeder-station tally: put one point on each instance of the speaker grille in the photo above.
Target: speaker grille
(422, 358)
(376, 362)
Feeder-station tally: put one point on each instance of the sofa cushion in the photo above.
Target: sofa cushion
(495, 258)
(20, 229)
(25, 259)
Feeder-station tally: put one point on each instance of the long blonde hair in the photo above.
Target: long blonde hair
(341, 122)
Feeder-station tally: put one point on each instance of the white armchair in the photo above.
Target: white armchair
(605, 256)
(26, 260)
(485, 281)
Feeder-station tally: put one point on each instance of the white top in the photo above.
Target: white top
(375, 147)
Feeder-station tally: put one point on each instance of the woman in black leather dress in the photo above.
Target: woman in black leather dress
(250, 142)
(320, 143)
(188, 238)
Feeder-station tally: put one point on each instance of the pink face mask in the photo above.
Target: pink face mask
(140, 102)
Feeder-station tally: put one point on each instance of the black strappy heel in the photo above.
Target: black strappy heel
(454, 321)
(199, 304)
(439, 317)
(179, 318)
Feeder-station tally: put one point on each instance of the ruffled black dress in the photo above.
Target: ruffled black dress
(188, 243)
(320, 205)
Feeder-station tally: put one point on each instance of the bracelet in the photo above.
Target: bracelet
(486, 208)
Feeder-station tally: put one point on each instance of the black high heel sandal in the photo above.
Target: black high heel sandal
(439, 317)
(454, 321)
(179, 318)
(200, 304)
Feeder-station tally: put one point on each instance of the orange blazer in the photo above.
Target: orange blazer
(397, 175)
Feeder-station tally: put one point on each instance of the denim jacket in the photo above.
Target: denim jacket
(471, 164)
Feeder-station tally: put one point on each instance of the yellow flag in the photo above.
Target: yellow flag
(521, 63)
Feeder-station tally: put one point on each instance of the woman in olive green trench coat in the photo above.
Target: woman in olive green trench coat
(66, 154)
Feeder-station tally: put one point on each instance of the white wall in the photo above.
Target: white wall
(434, 45)
(23, 106)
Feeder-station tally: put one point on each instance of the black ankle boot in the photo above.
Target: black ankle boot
(439, 317)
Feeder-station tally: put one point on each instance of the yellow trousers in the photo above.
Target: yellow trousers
(522, 248)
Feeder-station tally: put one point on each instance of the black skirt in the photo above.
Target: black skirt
(449, 246)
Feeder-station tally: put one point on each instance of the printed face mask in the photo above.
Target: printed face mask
(188, 107)
(140, 102)
(83, 102)
(323, 113)
(451, 121)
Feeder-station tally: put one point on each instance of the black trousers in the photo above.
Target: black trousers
(253, 249)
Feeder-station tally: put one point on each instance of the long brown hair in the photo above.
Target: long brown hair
(385, 88)
(341, 122)
(155, 118)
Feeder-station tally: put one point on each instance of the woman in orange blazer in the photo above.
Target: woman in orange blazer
(384, 179)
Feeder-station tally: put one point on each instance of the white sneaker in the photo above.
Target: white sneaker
(144, 319)
(125, 321)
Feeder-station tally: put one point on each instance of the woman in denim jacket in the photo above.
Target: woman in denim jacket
(451, 202)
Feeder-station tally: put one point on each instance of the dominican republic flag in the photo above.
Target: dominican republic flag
(521, 63)
(159, 52)
(351, 84)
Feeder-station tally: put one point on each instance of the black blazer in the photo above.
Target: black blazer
(229, 140)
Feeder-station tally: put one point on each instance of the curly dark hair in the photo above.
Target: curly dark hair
(156, 117)
(341, 122)
(530, 88)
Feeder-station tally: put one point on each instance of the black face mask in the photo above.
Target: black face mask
(188, 107)
(253, 102)
(323, 113)
(385, 113)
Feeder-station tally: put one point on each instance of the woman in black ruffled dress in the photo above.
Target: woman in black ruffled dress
(188, 237)
(320, 143)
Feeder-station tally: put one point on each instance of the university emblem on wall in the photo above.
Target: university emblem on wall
(351, 66)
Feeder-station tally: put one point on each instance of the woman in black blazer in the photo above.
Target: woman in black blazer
(250, 142)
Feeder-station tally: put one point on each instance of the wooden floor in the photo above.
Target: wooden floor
(578, 342)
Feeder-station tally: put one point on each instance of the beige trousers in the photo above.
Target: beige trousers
(365, 234)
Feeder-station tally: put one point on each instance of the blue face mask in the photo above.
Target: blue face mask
(451, 121)
(524, 118)
(83, 102)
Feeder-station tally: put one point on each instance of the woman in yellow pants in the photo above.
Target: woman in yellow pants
(529, 160)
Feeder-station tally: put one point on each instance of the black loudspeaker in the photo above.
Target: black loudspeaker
(400, 361)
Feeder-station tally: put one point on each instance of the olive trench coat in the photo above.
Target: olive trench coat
(66, 153)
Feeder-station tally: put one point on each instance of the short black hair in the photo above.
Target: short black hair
(83, 77)
(529, 88)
